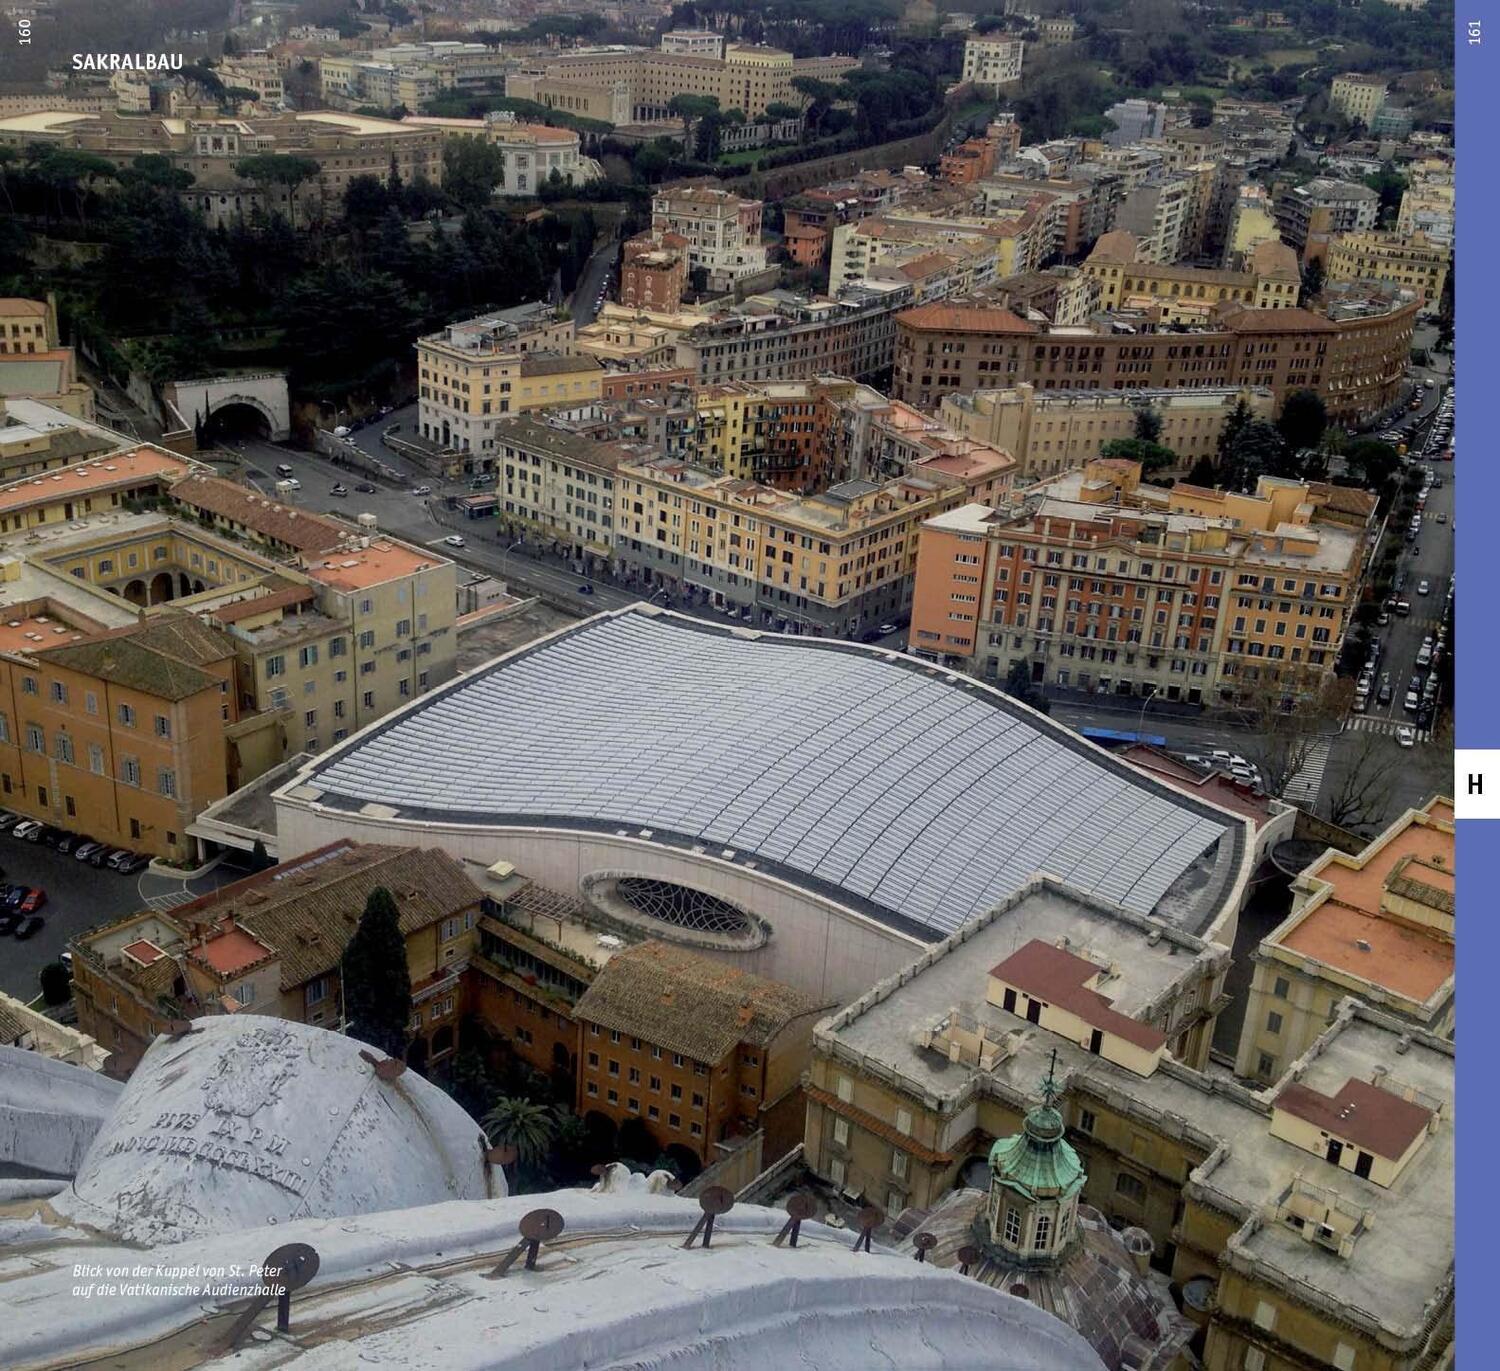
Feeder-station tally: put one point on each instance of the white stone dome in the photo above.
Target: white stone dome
(293, 1115)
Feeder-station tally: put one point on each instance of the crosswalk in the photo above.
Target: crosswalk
(1303, 788)
(162, 903)
(1363, 723)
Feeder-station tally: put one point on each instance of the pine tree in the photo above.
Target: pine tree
(377, 983)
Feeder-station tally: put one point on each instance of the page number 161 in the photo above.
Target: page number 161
(1474, 33)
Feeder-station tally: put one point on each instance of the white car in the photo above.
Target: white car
(292, 483)
(1406, 736)
(422, 490)
(453, 540)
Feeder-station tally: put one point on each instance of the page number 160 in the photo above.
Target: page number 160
(23, 32)
(1474, 33)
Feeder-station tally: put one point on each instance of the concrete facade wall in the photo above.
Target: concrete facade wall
(820, 948)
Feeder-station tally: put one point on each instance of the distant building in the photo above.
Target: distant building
(1051, 431)
(1357, 97)
(1204, 557)
(1190, 295)
(1409, 261)
(1135, 119)
(408, 74)
(653, 271)
(721, 231)
(30, 1030)
(993, 60)
(532, 155)
(1379, 926)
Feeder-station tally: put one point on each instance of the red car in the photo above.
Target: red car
(32, 901)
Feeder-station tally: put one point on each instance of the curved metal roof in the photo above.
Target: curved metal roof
(926, 795)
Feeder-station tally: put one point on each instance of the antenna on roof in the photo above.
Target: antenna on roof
(716, 1200)
(799, 1207)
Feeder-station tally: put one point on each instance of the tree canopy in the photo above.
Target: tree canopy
(377, 983)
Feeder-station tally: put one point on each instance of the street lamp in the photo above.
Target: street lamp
(661, 591)
(505, 556)
(1141, 722)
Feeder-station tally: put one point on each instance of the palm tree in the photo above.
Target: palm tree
(525, 1125)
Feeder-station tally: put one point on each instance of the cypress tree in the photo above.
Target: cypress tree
(377, 984)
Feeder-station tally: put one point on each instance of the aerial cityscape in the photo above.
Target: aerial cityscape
(728, 685)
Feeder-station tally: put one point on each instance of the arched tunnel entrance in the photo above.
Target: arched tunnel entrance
(236, 420)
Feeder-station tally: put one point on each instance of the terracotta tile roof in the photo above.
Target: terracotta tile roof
(162, 658)
(307, 910)
(878, 1126)
(249, 607)
(1057, 977)
(1246, 320)
(551, 366)
(1360, 1113)
(964, 319)
(688, 1003)
(295, 528)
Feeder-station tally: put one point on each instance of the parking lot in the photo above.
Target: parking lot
(78, 897)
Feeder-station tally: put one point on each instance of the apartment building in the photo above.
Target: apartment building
(117, 733)
(1308, 1225)
(272, 944)
(624, 85)
(475, 372)
(1427, 204)
(654, 271)
(1134, 121)
(1323, 206)
(988, 249)
(1190, 295)
(992, 60)
(1357, 97)
(696, 1052)
(720, 229)
(1160, 212)
(1354, 355)
(1250, 222)
(1410, 261)
(783, 337)
(1094, 582)
(558, 486)
(833, 563)
(408, 74)
(257, 71)
(27, 326)
(1057, 295)
(786, 434)
(1378, 925)
(1049, 432)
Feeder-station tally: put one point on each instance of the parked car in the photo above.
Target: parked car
(341, 490)
(116, 857)
(1412, 702)
(585, 589)
(1403, 607)
(365, 487)
(11, 896)
(1406, 735)
(453, 540)
(886, 629)
(25, 828)
(422, 490)
(87, 850)
(102, 855)
(69, 843)
(292, 483)
(9, 923)
(32, 900)
(1423, 587)
(133, 862)
(1385, 696)
(8, 820)
(30, 926)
